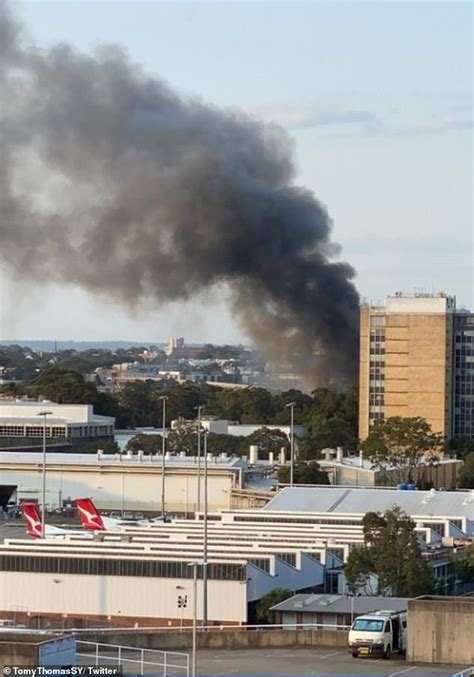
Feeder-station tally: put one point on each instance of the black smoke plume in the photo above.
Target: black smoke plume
(112, 181)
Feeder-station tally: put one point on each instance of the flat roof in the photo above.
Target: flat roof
(352, 501)
(315, 603)
(35, 420)
(24, 458)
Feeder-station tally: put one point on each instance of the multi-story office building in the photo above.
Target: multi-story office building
(417, 359)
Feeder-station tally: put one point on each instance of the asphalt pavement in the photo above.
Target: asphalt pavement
(310, 661)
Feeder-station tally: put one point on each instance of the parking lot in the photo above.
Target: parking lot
(302, 661)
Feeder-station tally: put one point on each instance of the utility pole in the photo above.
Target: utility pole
(204, 571)
(199, 409)
(44, 414)
(163, 398)
(291, 406)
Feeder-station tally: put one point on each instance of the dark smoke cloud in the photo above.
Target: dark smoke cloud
(112, 181)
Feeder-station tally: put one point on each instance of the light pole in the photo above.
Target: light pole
(163, 398)
(291, 406)
(44, 414)
(204, 570)
(194, 647)
(199, 409)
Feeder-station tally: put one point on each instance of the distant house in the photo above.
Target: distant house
(332, 610)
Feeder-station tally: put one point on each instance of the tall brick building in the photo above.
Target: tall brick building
(417, 359)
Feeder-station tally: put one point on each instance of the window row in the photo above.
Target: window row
(117, 567)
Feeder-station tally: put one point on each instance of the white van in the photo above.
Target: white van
(378, 634)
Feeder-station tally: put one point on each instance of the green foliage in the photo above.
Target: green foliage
(391, 554)
(331, 418)
(331, 421)
(149, 444)
(460, 447)
(267, 440)
(263, 613)
(405, 444)
(107, 446)
(466, 476)
(304, 473)
(463, 564)
(62, 386)
(210, 352)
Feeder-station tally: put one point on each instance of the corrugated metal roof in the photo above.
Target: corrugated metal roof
(355, 501)
(342, 604)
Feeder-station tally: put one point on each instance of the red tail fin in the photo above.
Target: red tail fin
(32, 519)
(90, 518)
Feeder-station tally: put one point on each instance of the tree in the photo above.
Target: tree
(390, 554)
(264, 615)
(463, 564)
(331, 421)
(402, 444)
(149, 444)
(460, 446)
(466, 476)
(267, 440)
(63, 386)
(107, 446)
(304, 473)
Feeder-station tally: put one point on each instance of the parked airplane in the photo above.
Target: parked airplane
(93, 521)
(34, 527)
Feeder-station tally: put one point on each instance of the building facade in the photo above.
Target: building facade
(417, 359)
(123, 482)
(22, 423)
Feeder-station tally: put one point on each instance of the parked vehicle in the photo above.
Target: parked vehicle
(378, 634)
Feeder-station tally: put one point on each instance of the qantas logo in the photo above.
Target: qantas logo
(32, 520)
(89, 515)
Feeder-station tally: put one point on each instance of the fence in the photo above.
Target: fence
(208, 628)
(158, 662)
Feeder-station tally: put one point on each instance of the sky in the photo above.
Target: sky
(377, 97)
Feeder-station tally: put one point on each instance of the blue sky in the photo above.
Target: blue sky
(377, 97)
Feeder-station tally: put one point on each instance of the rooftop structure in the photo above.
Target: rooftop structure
(359, 471)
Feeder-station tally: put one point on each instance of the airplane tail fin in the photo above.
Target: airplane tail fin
(90, 518)
(32, 519)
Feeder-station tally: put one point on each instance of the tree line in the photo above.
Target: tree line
(402, 445)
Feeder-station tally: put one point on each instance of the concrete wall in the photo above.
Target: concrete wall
(222, 639)
(30, 649)
(441, 630)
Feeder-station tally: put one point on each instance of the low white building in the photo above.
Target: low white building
(123, 482)
(142, 576)
(75, 423)
(224, 427)
(359, 471)
(331, 611)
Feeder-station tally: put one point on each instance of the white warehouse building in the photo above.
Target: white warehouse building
(123, 482)
(138, 576)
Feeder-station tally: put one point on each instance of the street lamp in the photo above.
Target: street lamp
(194, 647)
(291, 406)
(44, 414)
(204, 553)
(199, 409)
(163, 398)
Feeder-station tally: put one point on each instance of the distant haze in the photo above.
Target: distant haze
(113, 182)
